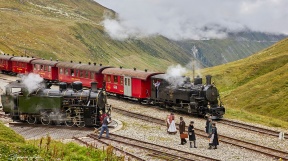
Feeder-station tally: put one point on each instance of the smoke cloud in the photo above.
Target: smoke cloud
(32, 82)
(193, 19)
(174, 75)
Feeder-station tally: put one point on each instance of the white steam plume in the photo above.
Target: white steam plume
(32, 82)
(174, 75)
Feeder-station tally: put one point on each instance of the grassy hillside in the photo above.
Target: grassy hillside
(256, 86)
(71, 30)
(14, 147)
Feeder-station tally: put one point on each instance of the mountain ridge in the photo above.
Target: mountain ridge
(72, 30)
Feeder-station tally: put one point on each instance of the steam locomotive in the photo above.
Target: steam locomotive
(70, 106)
(193, 98)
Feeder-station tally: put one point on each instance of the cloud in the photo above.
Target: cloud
(194, 19)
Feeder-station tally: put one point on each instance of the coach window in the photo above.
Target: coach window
(41, 67)
(92, 75)
(108, 78)
(34, 67)
(128, 82)
(121, 80)
(115, 79)
(49, 68)
(60, 70)
(76, 73)
(72, 72)
(66, 71)
(45, 68)
(86, 74)
(81, 73)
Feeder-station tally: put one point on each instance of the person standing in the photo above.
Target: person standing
(214, 137)
(167, 122)
(208, 127)
(192, 137)
(182, 130)
(104, 127)
(172, 127)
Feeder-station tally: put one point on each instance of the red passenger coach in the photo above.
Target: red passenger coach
(128, 82)
(71, 72)
(5, 63)
(22, 65)
(46, 69)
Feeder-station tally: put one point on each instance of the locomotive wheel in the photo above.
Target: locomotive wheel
(80, 122)
(70, 121)
(31, 119)
(45, 119)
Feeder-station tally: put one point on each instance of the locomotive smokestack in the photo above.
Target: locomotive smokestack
(208, 79)
(93, 86)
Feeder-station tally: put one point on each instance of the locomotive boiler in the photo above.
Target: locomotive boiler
(70, 106)
(193, 98)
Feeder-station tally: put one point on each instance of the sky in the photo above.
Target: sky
(193, 19)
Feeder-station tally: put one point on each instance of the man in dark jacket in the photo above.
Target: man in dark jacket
(104, 126)
(182, 130)
(214, 137)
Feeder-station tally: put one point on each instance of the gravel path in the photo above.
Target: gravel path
(157, 134)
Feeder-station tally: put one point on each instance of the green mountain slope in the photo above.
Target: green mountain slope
(72, 30)
(257, 84)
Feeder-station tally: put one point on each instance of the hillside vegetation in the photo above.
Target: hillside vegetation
(14, 147)
(72, 30)
(256, 86)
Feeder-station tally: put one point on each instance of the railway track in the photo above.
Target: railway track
(274, 153)
(88, 141)
(154, 150)
(225, 121)
(249, 127)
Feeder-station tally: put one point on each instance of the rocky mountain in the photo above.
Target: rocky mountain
(236, 46)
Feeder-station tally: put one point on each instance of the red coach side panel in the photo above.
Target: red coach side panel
(114, 84)
(140, 82)
(22, 65)
(5, 63)
(46, 69)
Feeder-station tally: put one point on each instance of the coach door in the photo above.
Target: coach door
(127, 86)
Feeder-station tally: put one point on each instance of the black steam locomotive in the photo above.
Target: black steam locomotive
(70, 106)
(193, 98)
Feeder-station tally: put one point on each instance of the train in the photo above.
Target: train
(195, 98)
(68, 106)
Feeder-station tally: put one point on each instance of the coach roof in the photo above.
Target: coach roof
(6, 57)
(22, 59)
(44, 62)
(86, 67)
(143, 75)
